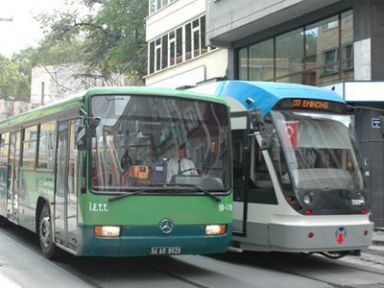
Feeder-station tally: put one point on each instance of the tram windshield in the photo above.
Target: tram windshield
(157, 143)
(315, 157)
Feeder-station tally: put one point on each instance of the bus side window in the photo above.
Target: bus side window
(47, 144)
(29, 147)
(4, 147)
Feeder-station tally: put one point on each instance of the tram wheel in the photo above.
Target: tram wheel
(47, 244)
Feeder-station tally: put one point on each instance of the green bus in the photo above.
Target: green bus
(99, 173)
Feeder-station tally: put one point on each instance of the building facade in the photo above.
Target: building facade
(315, 42)
(178, 53)
(49, 83)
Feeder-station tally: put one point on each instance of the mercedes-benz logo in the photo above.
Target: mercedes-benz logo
(166, 226)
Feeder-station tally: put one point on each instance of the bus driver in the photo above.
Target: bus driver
(180, 165)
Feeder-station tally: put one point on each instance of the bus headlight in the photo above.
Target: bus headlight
(218, 229)
(107, 231)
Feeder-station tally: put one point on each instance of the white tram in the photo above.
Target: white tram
(298, 179)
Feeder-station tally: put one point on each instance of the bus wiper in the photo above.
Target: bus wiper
(206, 192)
(118, 197)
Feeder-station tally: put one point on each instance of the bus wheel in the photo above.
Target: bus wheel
(47, 245)
(4, 222)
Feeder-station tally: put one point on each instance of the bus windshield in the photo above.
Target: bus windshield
(316, 156)
(159, 143)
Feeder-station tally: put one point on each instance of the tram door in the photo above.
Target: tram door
(238, 179)
(65, 197)
(252, 181)
(13, 176)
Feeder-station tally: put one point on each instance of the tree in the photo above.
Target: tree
(112, 39)
(14, 83)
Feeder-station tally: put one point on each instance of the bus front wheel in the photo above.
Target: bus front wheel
(47, 244)
(4, 223)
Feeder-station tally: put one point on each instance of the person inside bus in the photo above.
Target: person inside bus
(126, 161)
(180, 164)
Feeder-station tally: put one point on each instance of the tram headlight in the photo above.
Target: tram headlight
(358, 202)
(218, 229)
(107, 231)
(307, 199)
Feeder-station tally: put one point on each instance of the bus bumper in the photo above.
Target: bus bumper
(147, 241)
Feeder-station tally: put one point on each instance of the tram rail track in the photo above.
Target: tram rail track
(249, 258)
(188, 272)
(29, 241)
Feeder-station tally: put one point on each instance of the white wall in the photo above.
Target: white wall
(173, 15)
(64, 80)
(208, 66)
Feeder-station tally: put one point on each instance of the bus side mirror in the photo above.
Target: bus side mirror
(84, 133)
(94, 122)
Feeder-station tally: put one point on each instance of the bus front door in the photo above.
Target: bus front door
(65, 197)
(61, 183)
(13, 177)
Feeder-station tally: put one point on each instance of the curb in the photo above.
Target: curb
(378, 237)
(378, 242)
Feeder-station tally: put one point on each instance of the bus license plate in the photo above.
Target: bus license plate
(165, 251)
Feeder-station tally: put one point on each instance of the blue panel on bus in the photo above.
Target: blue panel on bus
(265, 95)
(158, 172)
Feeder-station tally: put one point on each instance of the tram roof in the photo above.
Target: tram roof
(265, 95)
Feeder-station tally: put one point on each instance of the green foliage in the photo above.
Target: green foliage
(112, 39)
(105, 34)
(14, 83)
(125, 34)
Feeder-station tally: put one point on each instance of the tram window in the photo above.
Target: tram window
(260, 184)
(259, 176)
(260, 188)
(317, 158)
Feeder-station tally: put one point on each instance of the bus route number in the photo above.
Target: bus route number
(225, 207)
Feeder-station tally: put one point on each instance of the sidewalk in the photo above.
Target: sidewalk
(378, 237)
(6, 282)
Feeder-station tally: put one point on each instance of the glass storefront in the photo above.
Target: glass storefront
(315, 54)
